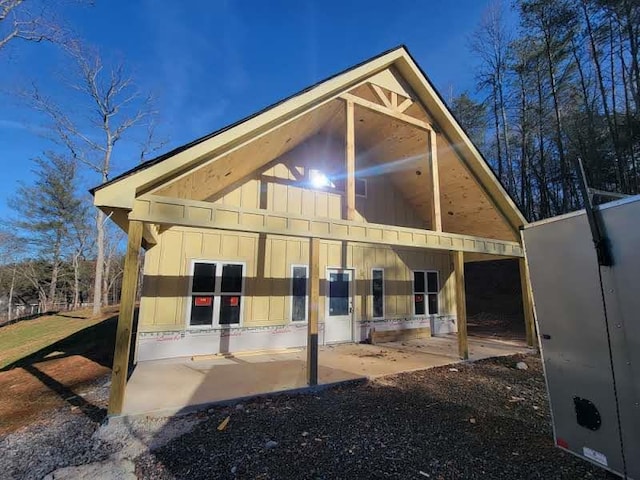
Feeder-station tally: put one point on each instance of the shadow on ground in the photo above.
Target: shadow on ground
(94, 343)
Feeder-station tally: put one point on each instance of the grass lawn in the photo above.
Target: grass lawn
(24, 338)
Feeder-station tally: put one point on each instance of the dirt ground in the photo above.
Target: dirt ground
(27, 396)
(55, 374)
(484, 420)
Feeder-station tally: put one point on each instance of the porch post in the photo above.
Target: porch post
(350, 154)
(434, 182)
(527, 302)
(461, 306)
(125, 319)
(312, 325)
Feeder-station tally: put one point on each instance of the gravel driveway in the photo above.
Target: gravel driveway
(484, 420)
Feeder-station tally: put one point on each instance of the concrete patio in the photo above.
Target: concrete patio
(166, 387)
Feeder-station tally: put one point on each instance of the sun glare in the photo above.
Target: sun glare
(319, 179)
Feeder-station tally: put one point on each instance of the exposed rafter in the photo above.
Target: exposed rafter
(404, 105)
(381, 95)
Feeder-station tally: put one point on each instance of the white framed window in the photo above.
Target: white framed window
(299, 293)
(215, 293)
(361, 187)
(426, 285)
(377, 292)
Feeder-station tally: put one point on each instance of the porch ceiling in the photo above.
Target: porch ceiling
(240, 161)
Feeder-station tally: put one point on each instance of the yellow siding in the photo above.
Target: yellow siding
(268, 262)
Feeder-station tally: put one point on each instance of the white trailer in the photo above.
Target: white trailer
(585, 277)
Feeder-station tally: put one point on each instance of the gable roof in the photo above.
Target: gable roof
(121, 191)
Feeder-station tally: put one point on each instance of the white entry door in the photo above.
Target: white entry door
(339, 312)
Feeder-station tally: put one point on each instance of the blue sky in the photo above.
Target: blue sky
(210, 63)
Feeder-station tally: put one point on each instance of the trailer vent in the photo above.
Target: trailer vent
(587, 415)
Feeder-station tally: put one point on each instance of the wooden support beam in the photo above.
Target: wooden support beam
(193, 213)
(434, 183)
(383, 98)
(404, 105)
(387, 111)
(350, 153)
(120, 369)
(394, 100)
(527, 303)
(314, 306)
(461, 304)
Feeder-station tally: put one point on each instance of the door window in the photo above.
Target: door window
(339, 298)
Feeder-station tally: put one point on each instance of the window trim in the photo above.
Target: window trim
(426, 291)
(366, 186)
(217, 294)
(306, 297)
(384, 303)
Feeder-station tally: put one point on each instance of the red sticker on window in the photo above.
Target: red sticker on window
(234, 301)
(202, 301)
(419, 298)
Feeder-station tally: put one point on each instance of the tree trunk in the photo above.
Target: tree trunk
(525, 184)
(11, 289)
(505, 133)
(105, 280)
(564, 172)
(53, 286)
(545, 210)
(614, 110)
(496, 118)
(97, 283)
(76, 281)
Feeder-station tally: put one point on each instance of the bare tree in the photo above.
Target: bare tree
(491, 42)
(30, 21)
(10, 250)
(112, 251)
(117, 107)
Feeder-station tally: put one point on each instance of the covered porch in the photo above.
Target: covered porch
(167, 387)
(226, 378)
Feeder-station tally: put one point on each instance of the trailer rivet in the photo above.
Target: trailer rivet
(618, 325)
(611, 291)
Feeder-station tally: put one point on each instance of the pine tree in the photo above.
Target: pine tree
(44, 212)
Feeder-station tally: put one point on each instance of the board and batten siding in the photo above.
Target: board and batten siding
(268, 262)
